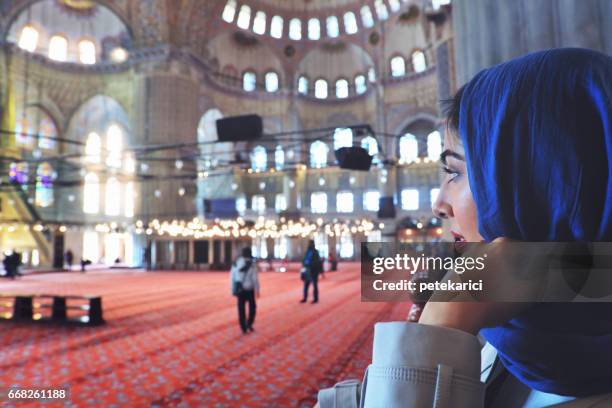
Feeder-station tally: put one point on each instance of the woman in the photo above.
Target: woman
(526, 158)
(245, 285)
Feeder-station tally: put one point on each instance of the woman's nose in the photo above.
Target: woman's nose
(441, 208)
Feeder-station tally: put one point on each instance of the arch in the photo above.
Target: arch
(213, 153)
(44, 185)
(91, 194)
(318, 154)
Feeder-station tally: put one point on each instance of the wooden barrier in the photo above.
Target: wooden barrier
(80, 310)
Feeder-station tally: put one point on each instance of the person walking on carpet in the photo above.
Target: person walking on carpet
(312, 267)
(245, 285)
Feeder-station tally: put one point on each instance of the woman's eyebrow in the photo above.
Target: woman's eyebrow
(449, 153)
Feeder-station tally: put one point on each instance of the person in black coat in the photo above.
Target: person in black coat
(312, 267)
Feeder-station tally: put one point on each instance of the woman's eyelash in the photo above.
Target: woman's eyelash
(447, 170)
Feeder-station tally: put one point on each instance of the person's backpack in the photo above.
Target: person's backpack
(237, 287)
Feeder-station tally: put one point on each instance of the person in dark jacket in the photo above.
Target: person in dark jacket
(312, 267)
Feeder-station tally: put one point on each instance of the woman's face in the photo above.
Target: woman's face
(455, 202)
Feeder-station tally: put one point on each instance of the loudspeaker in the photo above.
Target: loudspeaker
(353, 158)
(386, 207)
(220, 208)
(239, 128)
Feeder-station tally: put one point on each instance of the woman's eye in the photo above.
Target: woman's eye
(452, 173)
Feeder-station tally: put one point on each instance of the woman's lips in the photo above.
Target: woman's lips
(460, 242)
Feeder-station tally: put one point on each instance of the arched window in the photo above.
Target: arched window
(280, 202)
(333, 29)
(345, 202)
(244, 17)
(371, 200)
(366, 17)
(259, 158)
(350, 23)
(410, 199)
(91, 194)
(114, 145)
(87, 52)
(28, 38)
(394, 5)
(58, 48)
(303, 85)
(258, 204)
(314, 29)
(321, 89)
(418, 61)
(433, 195)
(398, 66)
(24, 128)
(249, 81)
(343, 137)
(318, 154)
(381, 10)
(342, 88)
(229, 11)
(271, 80)
(279, 158)
(370, 144)
(318, 202)
(434, 145)
(360, 84)
(372, 74)
(128, 209)
(112, 196)
(436, 4)
(47, 132)
(93, 148)
(295, 29)
(408, 148)
(276, 27)
(259, 23)
(44, 185)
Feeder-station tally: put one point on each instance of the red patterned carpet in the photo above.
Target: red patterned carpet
(172, 339)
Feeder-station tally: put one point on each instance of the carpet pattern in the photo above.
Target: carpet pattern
(172, 340)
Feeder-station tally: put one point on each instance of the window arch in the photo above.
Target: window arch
(114, 145)
(279, 157)
(321, 89)
(318, 154)
(44, 185)
(259, 158)
(93, 148)
(271, 81)
(259, 23)
(249, 81)
(371, 74)
(332, 26)
(314, 29)
(394, 5)
(343, 137)
(370, 144)
(87, 52)
(434, 145)
(244, 17)
(91, 194)
(112, 197)
(419, 64)
(58, 48)
(366, 17)
(360, 84)
(19, 172)
(381, 10)
(295, 29)
(342, 88)
(350, 23)
(28, 38)
(408, 148)
(276, 27)
(47, 132)
(303, 85)
(229, 11)
(398, 66)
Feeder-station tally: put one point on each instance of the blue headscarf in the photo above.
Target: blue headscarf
(537, 133)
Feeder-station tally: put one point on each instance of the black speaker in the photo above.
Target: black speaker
(386, 207)
(353, 158)
(239, 128)
(220, 208)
